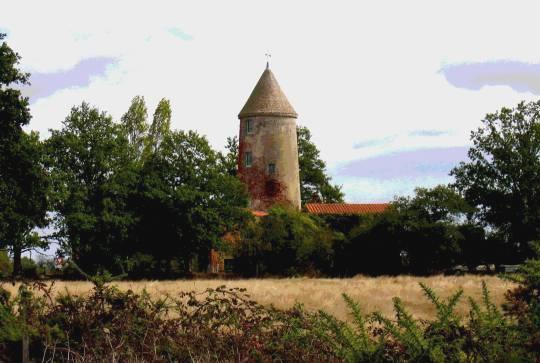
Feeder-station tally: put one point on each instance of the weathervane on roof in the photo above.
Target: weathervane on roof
(268, 56)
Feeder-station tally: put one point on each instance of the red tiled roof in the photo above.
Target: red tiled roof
(259, 213)
(345, 208)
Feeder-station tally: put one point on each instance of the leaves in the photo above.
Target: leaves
(23, 180)
(135, 125)
(502, 177)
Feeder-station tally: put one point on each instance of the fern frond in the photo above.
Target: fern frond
(431, 295)
(454, 299)
(492, 311)
(359, 320)
(345, 342)
(475, 311)
(445, 310)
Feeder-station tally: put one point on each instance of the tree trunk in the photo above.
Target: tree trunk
(17, 265)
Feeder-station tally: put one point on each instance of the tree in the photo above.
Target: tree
(23, 181)
(314, 182)
(429, 228)
(425, 233)
(186, 202)
(93, 179)
(135, 125)
(502, 177)
(230, 159)
(286, 242)
(161, 125)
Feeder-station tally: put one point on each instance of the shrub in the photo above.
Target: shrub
(5, 264)
(486, 337)
(225, 325)
(286, 242)
(29, 268)
(523, 302)
(111, 325)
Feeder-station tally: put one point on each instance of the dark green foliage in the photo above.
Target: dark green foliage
(486, 337)
(502, 177)
(185, 202)
(14, 111)
(286, 242)
(29, 268)
(151, 214)
(109, 325)
(23, 180)
(93, 177)
(11, 329)
(523, 302)
(427, 227)
(6, 267)
(372, 247)
(424, 234)
(353, 342)
(225, 324)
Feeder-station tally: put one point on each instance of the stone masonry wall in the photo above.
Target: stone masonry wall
(272, 141)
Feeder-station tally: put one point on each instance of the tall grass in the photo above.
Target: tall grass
(226, 325)
(371, 293)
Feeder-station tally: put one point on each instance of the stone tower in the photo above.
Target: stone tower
(268, 149)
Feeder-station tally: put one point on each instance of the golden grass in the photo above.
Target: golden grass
(373, 293)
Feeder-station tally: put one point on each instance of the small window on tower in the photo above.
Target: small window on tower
(271, 168)
(248, 160)
(249, 126)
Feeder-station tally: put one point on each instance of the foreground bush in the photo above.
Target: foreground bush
(486, 337)
(225, 325)
(110, 325)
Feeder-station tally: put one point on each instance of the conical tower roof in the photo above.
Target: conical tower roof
(267, 99)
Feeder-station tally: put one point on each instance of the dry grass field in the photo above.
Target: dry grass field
(372, 293)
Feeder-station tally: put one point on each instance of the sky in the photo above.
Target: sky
(389, 89)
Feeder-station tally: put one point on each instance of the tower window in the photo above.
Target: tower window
(248, 159)
(271, 168)
(249, 126)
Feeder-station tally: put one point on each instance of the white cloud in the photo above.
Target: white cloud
(354, 71)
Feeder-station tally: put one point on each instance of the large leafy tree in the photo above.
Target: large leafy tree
(436, 230)
(23, 181)
(315, 184)
(93, 177)
(502, 177)
(186, 202)
(425, 233)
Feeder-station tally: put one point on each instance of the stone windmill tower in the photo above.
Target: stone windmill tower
(268, 148)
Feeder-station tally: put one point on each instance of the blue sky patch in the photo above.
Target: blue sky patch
(435, 162)
(45, 84)
(520, 76)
